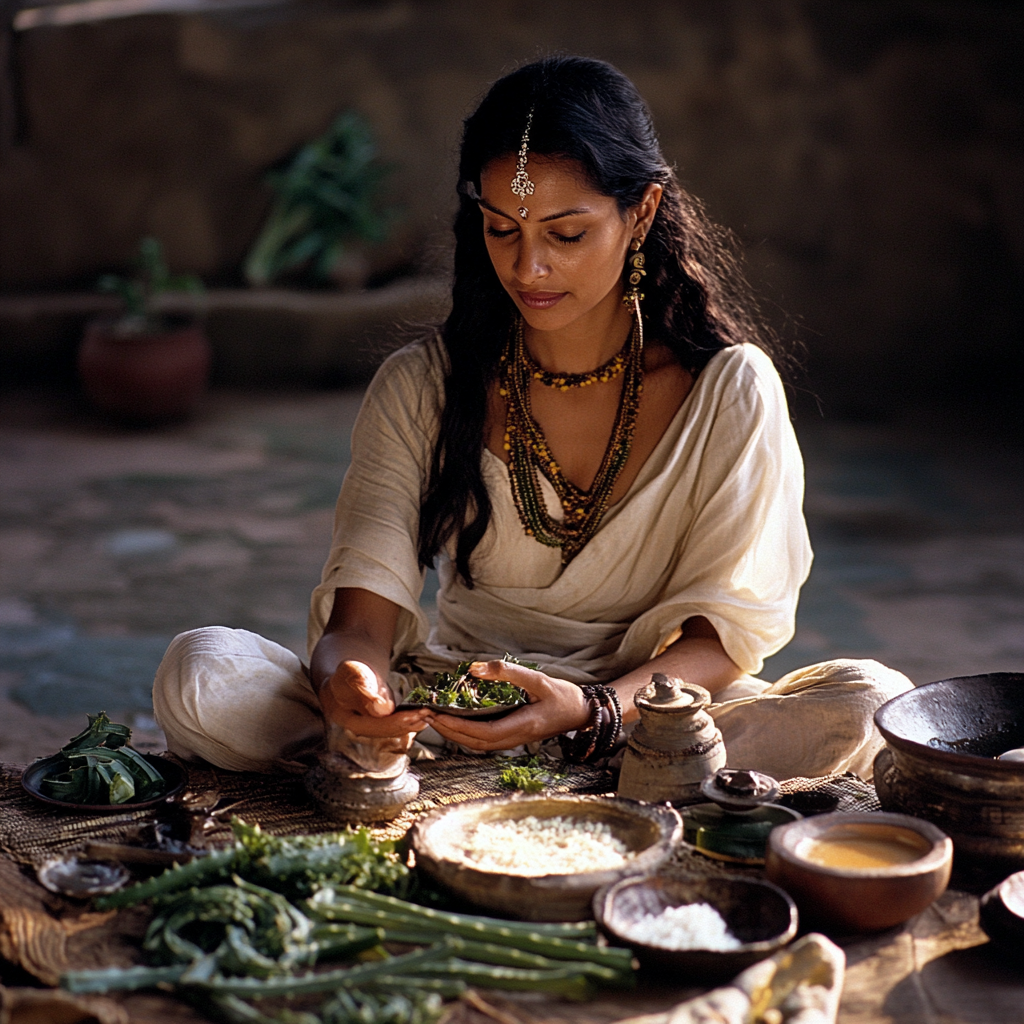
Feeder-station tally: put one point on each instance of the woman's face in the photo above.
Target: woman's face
(566, 259)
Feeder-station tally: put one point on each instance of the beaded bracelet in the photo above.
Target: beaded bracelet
(597, 738)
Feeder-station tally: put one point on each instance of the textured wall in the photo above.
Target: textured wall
(869, 154)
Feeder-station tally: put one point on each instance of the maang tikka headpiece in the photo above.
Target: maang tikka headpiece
(521, 184)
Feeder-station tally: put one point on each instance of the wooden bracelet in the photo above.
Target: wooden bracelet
(597, 738)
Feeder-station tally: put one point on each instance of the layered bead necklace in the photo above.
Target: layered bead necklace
(529, 452)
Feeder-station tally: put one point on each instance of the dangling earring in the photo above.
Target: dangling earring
(635, 266)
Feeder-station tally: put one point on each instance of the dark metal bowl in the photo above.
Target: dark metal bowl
(31, 779)
(940, 762)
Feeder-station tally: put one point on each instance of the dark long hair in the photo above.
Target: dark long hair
(696, 299)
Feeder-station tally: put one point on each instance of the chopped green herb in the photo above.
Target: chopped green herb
(527, 774)
(459, 689)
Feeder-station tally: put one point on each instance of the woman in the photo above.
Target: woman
(596, 452)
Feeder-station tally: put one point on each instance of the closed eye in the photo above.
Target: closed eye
(569, 239)
(495, 233)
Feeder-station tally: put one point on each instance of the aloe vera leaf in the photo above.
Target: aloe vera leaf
(328, 981)
(68, 786)
(446, 988)
(148, 780)
(548, 940)
(554, 947)
(237, 955)
(340, 946)
(331, 895)
(568, 982)
(236, 1011)
(100, 731)
(122, 785)
(99, 777)
(201, 871)
(124, 979)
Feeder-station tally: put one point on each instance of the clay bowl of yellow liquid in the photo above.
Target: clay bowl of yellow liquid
(853, 873)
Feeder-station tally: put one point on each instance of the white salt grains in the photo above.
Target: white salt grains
(691, 926)
(532, 846)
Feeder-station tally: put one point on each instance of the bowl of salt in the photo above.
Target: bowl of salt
(708, 929)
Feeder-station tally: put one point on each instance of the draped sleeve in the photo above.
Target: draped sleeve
(376, 521)
(742, 551)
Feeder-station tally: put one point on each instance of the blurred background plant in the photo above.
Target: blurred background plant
(141, 291)
(326, 199)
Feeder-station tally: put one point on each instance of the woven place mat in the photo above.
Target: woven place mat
(31, 831)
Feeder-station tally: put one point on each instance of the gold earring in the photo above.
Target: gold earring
(635, 267)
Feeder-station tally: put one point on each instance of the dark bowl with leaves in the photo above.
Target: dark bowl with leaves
(464, 696)
(98, 772)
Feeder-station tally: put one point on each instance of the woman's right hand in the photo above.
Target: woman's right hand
(356, 699)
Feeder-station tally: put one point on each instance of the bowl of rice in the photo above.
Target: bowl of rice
(542, 857)
(708, 928)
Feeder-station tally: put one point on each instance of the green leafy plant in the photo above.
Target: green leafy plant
(324, 199)
(459, 689)
(527, 774)
(152, 278)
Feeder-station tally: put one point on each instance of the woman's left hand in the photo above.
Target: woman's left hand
(556, 706)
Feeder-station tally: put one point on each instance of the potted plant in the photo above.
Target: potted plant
(147, 365)
(325, 199)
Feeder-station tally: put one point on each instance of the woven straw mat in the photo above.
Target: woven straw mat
(31, 832)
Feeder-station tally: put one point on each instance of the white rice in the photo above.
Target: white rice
(532, 846)
(691, 926)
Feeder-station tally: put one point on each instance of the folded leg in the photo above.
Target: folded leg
(812, 722)
(237, 700)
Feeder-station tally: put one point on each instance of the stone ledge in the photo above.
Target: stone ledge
(266, 336)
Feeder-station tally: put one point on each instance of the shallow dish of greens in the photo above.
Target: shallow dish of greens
(97, 771)
(460, 694)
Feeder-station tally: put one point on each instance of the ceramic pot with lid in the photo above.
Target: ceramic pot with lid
(675, 746)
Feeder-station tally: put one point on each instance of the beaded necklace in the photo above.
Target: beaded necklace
(529, 452)
(564, 381)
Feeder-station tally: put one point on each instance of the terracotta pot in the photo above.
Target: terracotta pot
(847, 900)
(144, 378)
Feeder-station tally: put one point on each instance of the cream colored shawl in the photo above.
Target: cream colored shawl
(712, 526)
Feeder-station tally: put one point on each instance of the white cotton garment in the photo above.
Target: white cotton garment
(711, 526)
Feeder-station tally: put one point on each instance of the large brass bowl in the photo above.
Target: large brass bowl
(649, 831)
(939, 763)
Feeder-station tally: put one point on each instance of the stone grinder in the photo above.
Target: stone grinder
(359, 780)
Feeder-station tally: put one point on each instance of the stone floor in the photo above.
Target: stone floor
(113, 541)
